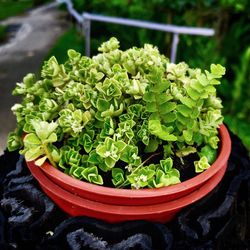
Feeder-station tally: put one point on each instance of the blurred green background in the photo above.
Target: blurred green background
(230, 46)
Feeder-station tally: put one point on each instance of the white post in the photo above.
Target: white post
(87, 33)
(174, 47)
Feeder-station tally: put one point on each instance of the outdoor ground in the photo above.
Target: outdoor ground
(41, 28)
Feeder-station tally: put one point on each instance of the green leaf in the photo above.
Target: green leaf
(102, 104)
(217, 69)
(185, 151)
(151, 107)
(163, 179)
(97, 179)
(54, 152)
(87, 143)
(135, 110)
(197, 86)
(209, 153)
(201, 165)
(169, 118)
(166, 165)
(152, 146)
(167, 107)
(188, 135)
(173, 180)
(195, 95)
(195, 113)
(213, 82)
(184, 120)
(164, 98)
(78, 172)
(52, 138)
(209, 90)
(29, 80)
(94, 158)
(155, 128)
(73, 54)
(110, 45)
(167, 149)
(31, 140)
(127, 153)
(14, 142)
(213, 142)
(91, 175)
(202, 79)
(141, 178)
(148, 97)
(33, 153)
(117, 176)
(44, 129)
(120, 145)
(184, 110)
(187, 101)
(157, 183)
(101, 150)
(72, 169)
(110, 163)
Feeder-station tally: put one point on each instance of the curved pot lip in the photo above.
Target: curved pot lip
(224, 152)
(126, 210)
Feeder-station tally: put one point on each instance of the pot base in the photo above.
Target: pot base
(147, 196)
(162, 212)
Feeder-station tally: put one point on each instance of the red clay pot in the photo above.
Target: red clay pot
(144, 196)
(162, 212)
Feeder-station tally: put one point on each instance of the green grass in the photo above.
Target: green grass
(2, 33)
(10, 8)
(71, 39)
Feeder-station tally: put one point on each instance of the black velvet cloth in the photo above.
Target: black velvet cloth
(30, 220)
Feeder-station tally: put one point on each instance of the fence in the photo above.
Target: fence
(85, 20)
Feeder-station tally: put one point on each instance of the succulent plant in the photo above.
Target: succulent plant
(123, 115)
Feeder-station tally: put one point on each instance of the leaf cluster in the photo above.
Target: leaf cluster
(113, 114)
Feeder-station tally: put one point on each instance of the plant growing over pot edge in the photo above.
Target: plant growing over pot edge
(114, 115)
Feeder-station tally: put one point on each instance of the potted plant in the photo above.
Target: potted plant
(123, 128)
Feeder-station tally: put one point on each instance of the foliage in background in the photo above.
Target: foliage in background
(112, 115)
(71, 39)
(239, 115)
(230, 19)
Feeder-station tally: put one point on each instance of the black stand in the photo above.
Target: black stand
(29, 220)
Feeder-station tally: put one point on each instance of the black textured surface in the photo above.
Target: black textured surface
(30, 220)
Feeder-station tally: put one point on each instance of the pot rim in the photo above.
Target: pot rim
(222, 158)
(124, 210)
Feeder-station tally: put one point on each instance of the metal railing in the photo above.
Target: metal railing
(85, 20)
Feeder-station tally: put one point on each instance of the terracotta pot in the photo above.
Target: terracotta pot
(143, 196)
(162, 212)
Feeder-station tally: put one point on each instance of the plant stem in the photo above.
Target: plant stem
(150, 157)
(46, 150)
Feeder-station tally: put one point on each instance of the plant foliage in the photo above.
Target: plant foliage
(112, 114)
